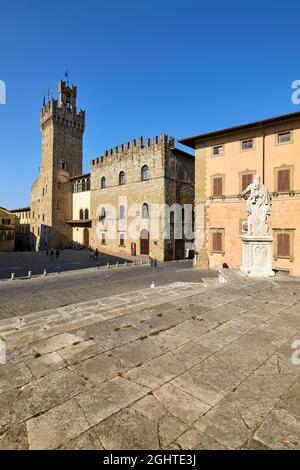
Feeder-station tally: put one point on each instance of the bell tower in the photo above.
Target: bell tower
(62, 129)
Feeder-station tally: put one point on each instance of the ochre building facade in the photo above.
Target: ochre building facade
(226, 161)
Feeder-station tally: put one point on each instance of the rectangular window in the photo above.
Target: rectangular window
(218, 150)
(217, 242)
(122, 239)
(43, 217)
(284, 137)
(247, 144)
(283, 181)
(218, 186)
(246, 180)
(5, 221)
(283, 245)
(103, 238)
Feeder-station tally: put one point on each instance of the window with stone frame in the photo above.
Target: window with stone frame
(145, 173)
(247, 144)
(122, 178)
(103, 182)
(145, 211)
(284, 137)
(283, 180)
(217, 240)
(217, 186)
(246, 179)
(81, 214)
(284, 243)
(122, 212)
(122, 239)
(218, 150)
(103, 238)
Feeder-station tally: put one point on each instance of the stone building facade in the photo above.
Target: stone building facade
(133, 187)
(7, 230)
(226, 161)
(62, 130)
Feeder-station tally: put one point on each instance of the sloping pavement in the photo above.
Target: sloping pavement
(182, 366)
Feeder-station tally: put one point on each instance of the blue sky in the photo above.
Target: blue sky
(142, 67)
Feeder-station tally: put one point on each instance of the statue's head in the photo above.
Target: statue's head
(256, 180)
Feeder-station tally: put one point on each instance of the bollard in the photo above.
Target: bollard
(45, 272)
(125, 264)
(29, 274)
(133, 263)
(12, 276)
(141, 261)
(117, 264)
(58, 269)
(153, 285)
(107, 265)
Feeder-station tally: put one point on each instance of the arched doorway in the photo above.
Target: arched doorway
(86, 237)
(144, 242)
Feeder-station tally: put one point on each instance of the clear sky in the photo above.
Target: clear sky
(142, 67)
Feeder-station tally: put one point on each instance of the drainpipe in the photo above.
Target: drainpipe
(264, 153)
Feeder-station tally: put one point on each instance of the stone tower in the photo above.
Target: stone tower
(62, 130)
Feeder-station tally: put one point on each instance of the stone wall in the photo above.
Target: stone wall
(161, 188)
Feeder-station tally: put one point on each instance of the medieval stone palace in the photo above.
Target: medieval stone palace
(135, 183)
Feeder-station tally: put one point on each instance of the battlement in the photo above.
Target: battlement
(64, 115)
(135, 147)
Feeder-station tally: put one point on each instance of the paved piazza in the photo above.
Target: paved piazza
(182, 366)
(20, 262)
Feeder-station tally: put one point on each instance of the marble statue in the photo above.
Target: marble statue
(258, 207)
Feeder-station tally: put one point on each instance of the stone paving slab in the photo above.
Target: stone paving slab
(182, 366)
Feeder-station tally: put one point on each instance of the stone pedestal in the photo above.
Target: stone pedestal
(257, 256)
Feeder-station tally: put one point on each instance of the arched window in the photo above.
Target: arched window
(75, 187)
(88, 184)
(103, 182)
(102, 214)
(145, 174)
(121, 177)
(81, 214)
(145, 211)
(122, 212)
(86, 214)
(83, 185)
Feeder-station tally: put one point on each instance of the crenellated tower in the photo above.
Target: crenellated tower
(62, 129)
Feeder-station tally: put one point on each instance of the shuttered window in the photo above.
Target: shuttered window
(217, 242)
(217, 187)
(283, 245)
(246, 180)
(283, 181)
